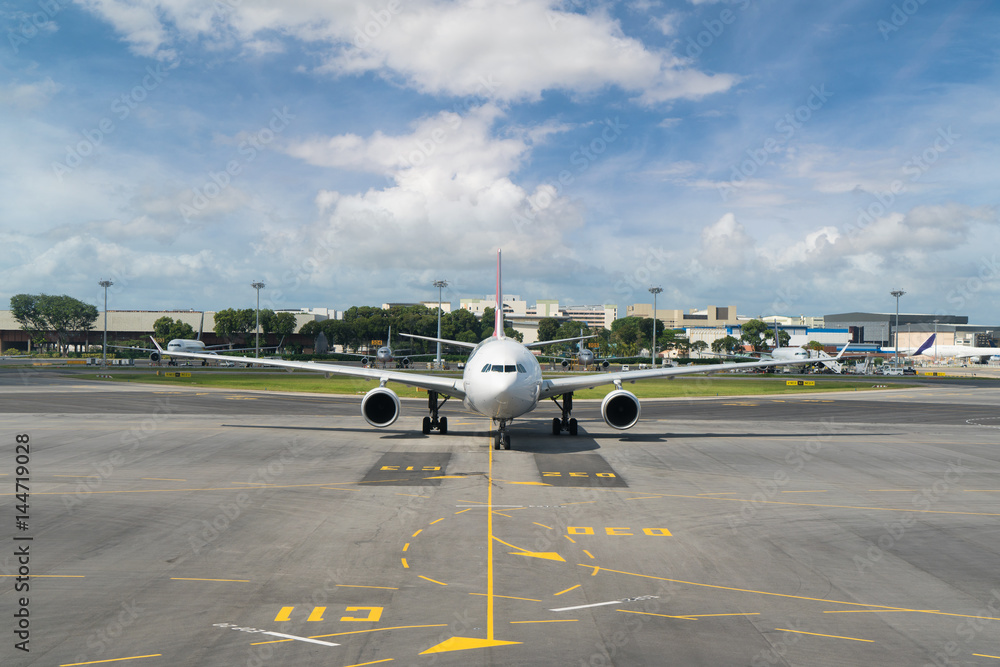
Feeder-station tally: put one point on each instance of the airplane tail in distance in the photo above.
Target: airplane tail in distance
(927, 344)
(498, 315)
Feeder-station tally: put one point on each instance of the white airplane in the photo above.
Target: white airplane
(502, 380)
(386, 356)
(928, 349)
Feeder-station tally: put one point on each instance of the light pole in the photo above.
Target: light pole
(258, 285)
(104, 350)
(440, 284)
(897, 293)
(654, 291)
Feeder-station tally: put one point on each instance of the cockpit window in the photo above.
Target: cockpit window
(510, 369)
(486, 368)
(520, 369)
(498, 368)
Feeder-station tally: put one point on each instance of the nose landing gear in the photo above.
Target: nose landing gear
(432, 422)
(567, 423)
(501, 437)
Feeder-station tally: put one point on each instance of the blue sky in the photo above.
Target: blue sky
(784, 157)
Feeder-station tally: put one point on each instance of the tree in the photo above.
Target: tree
(813, 345)
(755, 333)
(547, 328)
(728, 344)
(167, 328)
(230, 324)
(42, 314)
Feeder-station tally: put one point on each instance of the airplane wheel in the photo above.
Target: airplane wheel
(556, 426)
(506, 441)
(496, 440)
(572, 426)
(426, 426)
(443, 425)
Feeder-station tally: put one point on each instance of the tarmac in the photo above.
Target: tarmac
(211, 527)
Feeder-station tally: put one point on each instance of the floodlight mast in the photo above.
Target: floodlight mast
(440, 284)
(104, 350)
(257, 285)
(897, 293)
(655, 291)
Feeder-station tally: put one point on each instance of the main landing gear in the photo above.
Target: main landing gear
(501, 437)
(567, 423)
(432, 421)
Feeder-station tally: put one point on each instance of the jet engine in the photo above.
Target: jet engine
(605, 364)
(620, 409)
(364, 361)
(380, 407)
(405, 362)
(565, 363)
(154, 357)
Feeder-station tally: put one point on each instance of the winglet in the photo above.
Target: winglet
(927, 344)
(159, 349)
(841, 353)
(498, 315)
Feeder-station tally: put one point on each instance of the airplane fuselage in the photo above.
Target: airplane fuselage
(502, 379)
(185, 345)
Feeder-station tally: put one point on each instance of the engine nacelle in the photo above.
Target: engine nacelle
(380, 407)
(405, 362)
(154, 357)
(565, 363)
(605, 364)
(364, 361)
(620, 409)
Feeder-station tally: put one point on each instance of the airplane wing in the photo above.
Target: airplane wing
(449, 386)
(562, 385)
(539, 343)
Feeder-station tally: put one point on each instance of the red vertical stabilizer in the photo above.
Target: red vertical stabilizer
(498, 315)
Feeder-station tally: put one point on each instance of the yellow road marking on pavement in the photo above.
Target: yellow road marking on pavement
(816, 634)
(417, 533)
(241, 581)
(433, 581)
(435, 520)
(373, 662)
(405, 564)
(542, 525)
(567, 590)
(561, 620)
(649, 613)
(983, 655)
(284, 615)
(406, 546)
(94, 662)
(465, 510)
(570, 539)
(588, 553)
(50, 576)
(509, 597)
(355, 632)
(317, 614)
(878, 611)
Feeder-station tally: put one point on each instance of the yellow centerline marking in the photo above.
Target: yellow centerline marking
(417, 533)
(570, 539)
(588, 553)
(509, 597)
(373, 662)
(561, 620)
(983, 655)
(405, 564)
(567, 590)
(355, 632)
(406, 546)
(542, 525)
(435, 520)
(465, 510)
(649, 613)
(816, 634)
(489, 547)
(879, 611)
(94, 662)
(49, 576)
(241, 581)
(433, 581)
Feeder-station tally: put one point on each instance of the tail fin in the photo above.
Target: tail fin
(498, 315)
(927, 344)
